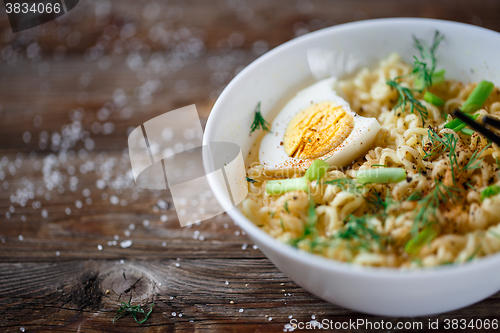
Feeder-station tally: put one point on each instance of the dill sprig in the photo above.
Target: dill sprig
(259, 121)
(405, 96)
(345, 184)
(423, 70)
(449, 143)
(429, 204)
(357, 229)
(133, 310)
(250, 180)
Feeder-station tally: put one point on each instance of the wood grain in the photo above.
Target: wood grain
(61, 264)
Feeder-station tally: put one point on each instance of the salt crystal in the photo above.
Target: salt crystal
(174, 314)
(68, 211)
(116, 237)
(241, 310)
(244, 246)
(86, 192)
(58, 253)
(255, 247)
(21, 238)
(177, 264)
(227, 282)
(127, 233)
(180, 314)
(23, 218)
(114, 200)
(126, 243)
(146, 223)
(22, 329)
(131, 226)
(164, 218)
(202, 238)
(78, 204)
(313, 317)
(270, 318)
(237, 233)
(99, 247)
(88, 201)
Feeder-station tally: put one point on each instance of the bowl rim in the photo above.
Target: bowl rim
(306, 257)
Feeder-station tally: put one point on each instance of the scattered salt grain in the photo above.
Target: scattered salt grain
(202, 238)
(255, 247)
(244, 246)
(164, 244)
(58, 253)
(164, 218)
(78, 204)
(177, 264)
(68, 211)
(237, 233)
(116, 237)
(227, 282)
(99, 247)
(270, 318)
(174, 314)
(131, 226)
(226, 225)
(313, 317)
(126, 243)
(22, 329)
(21, 238)
(146, 223)
(127, 233)
(114, 200)
(241, 310)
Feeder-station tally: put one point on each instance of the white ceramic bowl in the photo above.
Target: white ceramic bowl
(468, 54)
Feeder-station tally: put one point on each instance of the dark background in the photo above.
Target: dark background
(71, 89)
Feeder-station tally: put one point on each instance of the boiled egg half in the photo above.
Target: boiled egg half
(316, 124)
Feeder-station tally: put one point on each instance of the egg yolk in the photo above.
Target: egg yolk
(316, 130)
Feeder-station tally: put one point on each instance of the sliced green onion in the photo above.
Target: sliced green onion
(280, 186)
(467, 131)
(457, 125)
(424, 237)
(477, 97)
(433, 99)
(490, 191)
(316, 170)
(437, 78)
(385, 175)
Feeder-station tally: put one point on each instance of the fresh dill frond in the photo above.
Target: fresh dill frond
(259, 121)
(286, 207)
(429, 205)
(282, 225)
(448, 142)
(133, 310)
(475, 161)
(415, 196)
(427, 54)
(423, 70)
(405, 96)
(346, 184)
(358, 230)
(250, 180)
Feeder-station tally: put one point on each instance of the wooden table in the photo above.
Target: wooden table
(67, 203)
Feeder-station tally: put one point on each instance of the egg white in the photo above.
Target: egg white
(272, 154)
